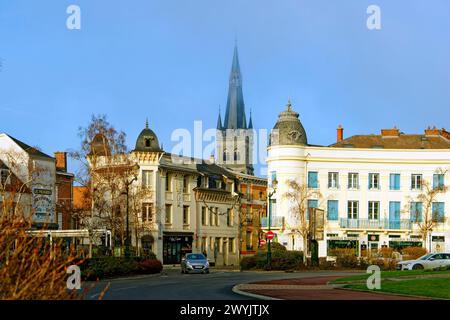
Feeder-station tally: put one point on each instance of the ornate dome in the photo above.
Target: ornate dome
(147, 141)
(288, 130)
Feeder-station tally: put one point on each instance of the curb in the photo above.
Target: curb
(251, 295)
(384, 293)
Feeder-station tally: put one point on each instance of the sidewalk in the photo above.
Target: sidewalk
(314, 288)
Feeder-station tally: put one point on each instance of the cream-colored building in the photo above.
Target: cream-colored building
(369, 186)
(184, 204)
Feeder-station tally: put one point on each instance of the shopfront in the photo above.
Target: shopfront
(176, 245)
(398, 245)
(334, 244)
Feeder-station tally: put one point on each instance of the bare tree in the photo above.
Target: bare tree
(298, 195)
(104, 168)
(429, 218)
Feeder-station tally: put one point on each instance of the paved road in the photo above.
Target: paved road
(172, 285)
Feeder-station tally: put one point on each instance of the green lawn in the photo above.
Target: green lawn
(391, 274)
(431, 287)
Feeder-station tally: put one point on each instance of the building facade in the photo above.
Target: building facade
(376, 190)
(178, 205)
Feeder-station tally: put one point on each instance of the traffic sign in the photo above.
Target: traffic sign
(270, 235)
(262, 242)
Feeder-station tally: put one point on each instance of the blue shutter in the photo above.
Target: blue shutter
(415, 211)
(435, 181)
(370, 180)
(394, 181)
(311, 204)
(394, 215)
(312, 179)
(438, 211)
(332, 210)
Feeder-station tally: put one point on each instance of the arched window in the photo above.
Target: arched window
(147, 143)
(236, 155)
(226, 155)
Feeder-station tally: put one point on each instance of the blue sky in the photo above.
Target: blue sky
(170, 61)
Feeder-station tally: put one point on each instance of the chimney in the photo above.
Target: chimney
(340, 133)
(445, 134)
(431, 131)
(390, 132)
(212, 159)
(61, 161)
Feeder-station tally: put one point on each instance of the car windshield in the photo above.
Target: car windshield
(425, 257)
(195, 257)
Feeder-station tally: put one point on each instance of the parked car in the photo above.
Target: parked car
(194, 262)
(428, 261)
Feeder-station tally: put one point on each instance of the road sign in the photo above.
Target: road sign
(270, 235)
(262, 242)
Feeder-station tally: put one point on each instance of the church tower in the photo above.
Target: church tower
(234, 139)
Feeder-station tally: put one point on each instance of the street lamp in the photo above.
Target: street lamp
(127, 187)
(271, 193)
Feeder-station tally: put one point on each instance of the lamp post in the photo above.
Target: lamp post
(127, 187)
(271, 193)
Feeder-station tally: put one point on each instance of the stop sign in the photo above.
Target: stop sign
(270, 235)
(262, 242)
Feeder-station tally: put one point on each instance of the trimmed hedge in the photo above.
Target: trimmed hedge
(281, 259)
(106, 267)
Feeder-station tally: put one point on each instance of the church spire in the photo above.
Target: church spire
(235, 112)
(250, 123)
(219, 122)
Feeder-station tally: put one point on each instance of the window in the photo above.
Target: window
(416, 181)
(438, 211)
(147, 179)
(236, 155)
(147, 212)
(311, 204)
(273, 177)
(168, 213)
(333, 180)
(185, 215)
(168, 182)
(248, 240)
(204, 216)
(374, 181)
(353, 181)
(216, 216)
(147, 142)
(211, 216)
(394, 181)
(186, 184)
(273, 207)
(204, 245)
(438, 181)
(4, 176)
(352, 209)
(374, 210)
(312, 180)
(332, 210)
(231, 245)
(415, 211)
(230, 217)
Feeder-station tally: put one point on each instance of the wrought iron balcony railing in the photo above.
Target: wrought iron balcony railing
(403, 224)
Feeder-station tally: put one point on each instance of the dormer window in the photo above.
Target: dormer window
(147, 142)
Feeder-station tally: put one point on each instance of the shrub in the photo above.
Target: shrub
(282, 259)
(98, 268)
(149, 266)
(412, 253)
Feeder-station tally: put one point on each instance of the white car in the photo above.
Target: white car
(428, 261)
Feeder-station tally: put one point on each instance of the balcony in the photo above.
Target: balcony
(375, 224)
(275, 222)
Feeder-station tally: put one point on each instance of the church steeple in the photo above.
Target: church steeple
(219, 122)
(250, 122)
(235, 112)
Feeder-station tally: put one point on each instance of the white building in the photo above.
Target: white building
(36, 179)
(369, 185)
